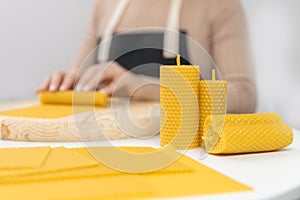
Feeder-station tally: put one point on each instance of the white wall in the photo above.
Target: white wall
(275, 30)
(36, 38)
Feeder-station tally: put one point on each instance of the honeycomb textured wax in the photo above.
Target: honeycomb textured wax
(212, 100)
(179, 90)
(76, 98)
(246, 133)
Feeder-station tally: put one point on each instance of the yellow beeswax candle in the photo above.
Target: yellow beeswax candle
(246, 133)
(212, 100)
(179, 91)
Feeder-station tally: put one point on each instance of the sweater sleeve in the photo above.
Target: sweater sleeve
(90, 41)
(230, 50)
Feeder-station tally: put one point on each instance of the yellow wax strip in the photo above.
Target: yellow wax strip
(47, 111)
(58, 159)
(19, 158)
(232, 134)
(76, 98)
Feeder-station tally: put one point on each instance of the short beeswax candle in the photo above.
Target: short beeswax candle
(212, 99)
(179, 91)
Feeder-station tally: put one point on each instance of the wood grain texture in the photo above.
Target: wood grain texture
(119, 120)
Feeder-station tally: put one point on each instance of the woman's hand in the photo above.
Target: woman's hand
(59, 81)
(110, 78)
(103, 77)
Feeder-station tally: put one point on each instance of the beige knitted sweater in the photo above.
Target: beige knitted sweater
(218, 25)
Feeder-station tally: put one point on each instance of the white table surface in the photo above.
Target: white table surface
(274, 175)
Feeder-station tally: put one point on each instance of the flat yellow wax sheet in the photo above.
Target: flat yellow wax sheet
(112, 187)
(59, 159)
(96, 171)
(175, 167)
(16, 158)
(199, 180)
(47, 111)
(202, 181)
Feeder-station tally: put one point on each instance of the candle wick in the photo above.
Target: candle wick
(213, 75)
(178, 60)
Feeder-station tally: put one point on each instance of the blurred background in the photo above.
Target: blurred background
(39, 37)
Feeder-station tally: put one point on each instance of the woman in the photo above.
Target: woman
(218, 25)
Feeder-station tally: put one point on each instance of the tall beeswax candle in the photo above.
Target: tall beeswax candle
(212, 100)
(179, 91)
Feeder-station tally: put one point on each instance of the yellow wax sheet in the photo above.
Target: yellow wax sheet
(199, 180)
(172, 168)
(112, 187)
(81, 172)
(202, 181)
(16, 158)
(83, 183)
(47, 111)
(57, 160)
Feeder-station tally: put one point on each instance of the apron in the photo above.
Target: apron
(144, 52)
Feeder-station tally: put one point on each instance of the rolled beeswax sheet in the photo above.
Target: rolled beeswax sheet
(46, 111)
(59, 159)
(212, 101)
(179, 90)
(246, 133)
(76, 98)
(127, 186)
(22, 158)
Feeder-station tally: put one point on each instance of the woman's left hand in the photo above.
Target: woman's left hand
(108, 77)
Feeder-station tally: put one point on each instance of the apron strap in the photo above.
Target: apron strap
(171, 34)
(104, 47)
